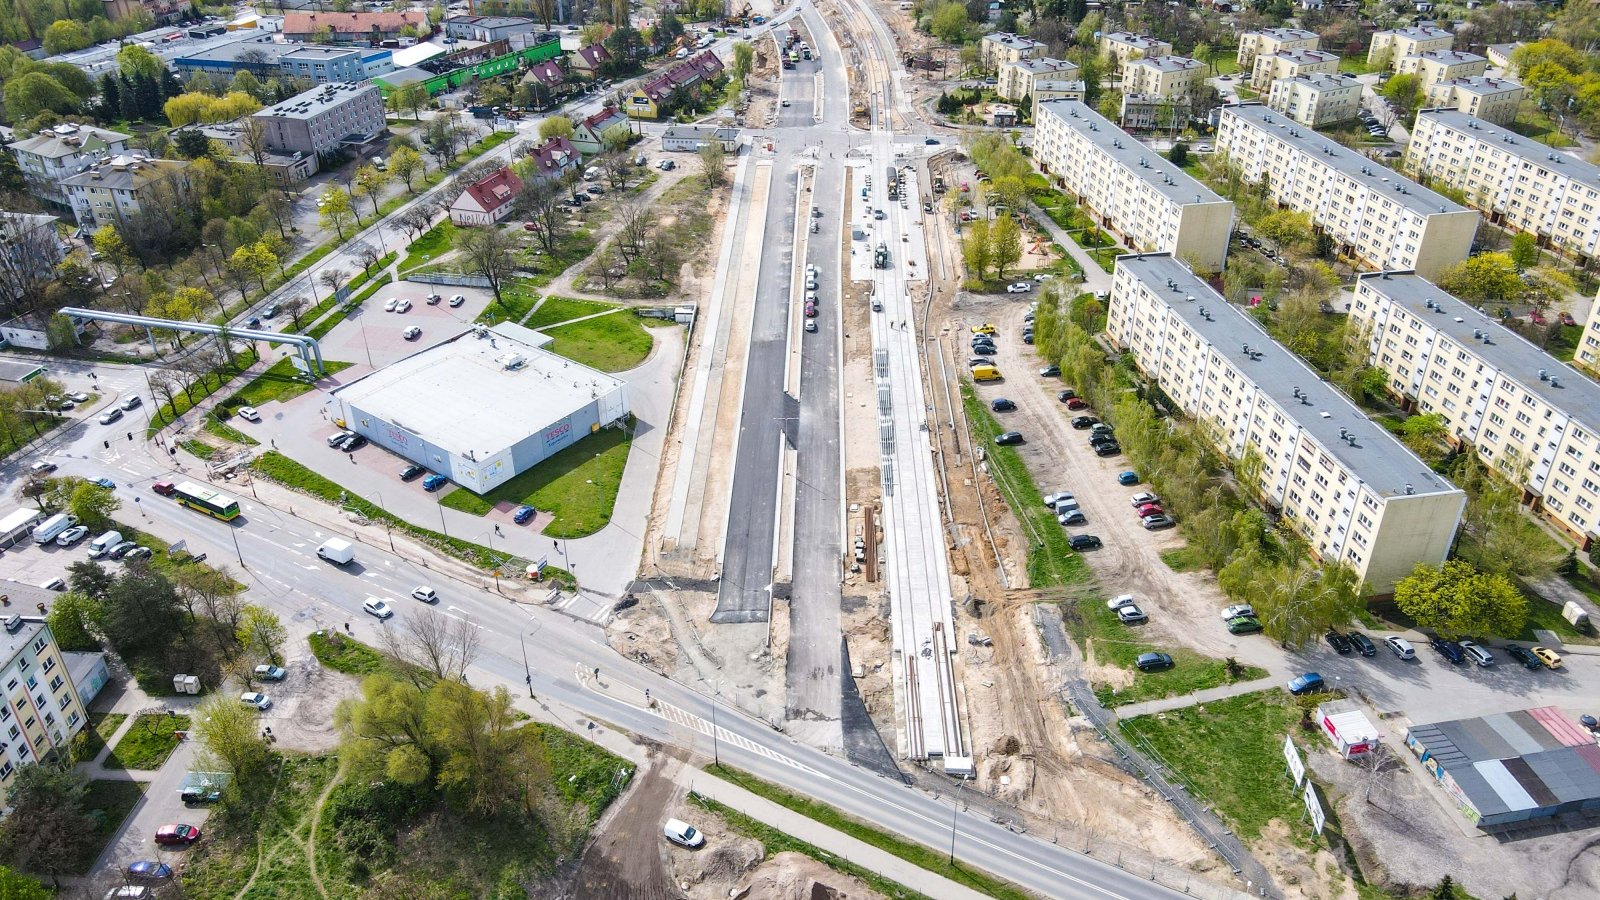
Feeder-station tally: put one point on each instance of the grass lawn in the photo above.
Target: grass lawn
(1230, 754)
(1090, 622)
(434, 243)
(345, 654)
(563, 309)
(113, 800)
(1050, 560)
(228, 432)
(614, 343)
(198, 449)
(148, 742)
(1532, 122)
(183, 401)
(281, 381)
(321, 329)
(1356, 65)
(43, 424)
(774, 841)
(561, 485)
(515, 302)
(90, 741)
(916, 854)
(1183, 559)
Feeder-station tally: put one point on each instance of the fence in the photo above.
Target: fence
(477, 281)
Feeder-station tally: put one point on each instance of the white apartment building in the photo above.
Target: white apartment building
(1269, 67)
(1521, 183)
(1132, 190)
(1016, 79)
(1002, 47)
(1435, 66)
(1389, 47)
(1490, 99)
(58, 153)
(113, 192)
(1316, 100)
(1588, 352)
(1051, 87)
(1167, 77)
(1272, 40)
(1123, 46)
(41, 710)
(1373, 214)
(1531, 417)
(1350, 488)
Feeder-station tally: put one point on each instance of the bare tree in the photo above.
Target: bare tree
(436, 643)
(28, 251)
(417, 219)
(661, 254)
(296, 306)
(634, 221)
(491, 254)
(367, 255)
(253, 137)
(618, 168)
(333, 279)
(540, 203)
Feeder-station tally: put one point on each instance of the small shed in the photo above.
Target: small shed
(1351, 732)
(17, 525)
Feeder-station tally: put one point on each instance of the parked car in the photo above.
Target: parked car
(457, 300)
(1131, 615)
(1001, 404)
(683, 834)
(1400, 647)
(811, 326)
(984, 349)
(1082, 542)
(1522, 655)
(180, 835)
(1157, 522)
(270, 673)
(985, 328)
(1020, 287)
(1476, 654)
(255, 698)
(149, 870)
(412, 333)
(42, 467)
(1153, 662)
(1244, 625)
(1149, 509)
(425, 594)
(1073, 517)
(1363, 644)
(248, 413)
(1128, 478)
(1236, 610)
(1111, 449)
(391, 304)
(1050, 500)
(1340, 644)
(120, 549)
(1309, 683)
(1118, 602)
(337, 438)
(1076, 403)
(77, 396)
(1050, 371)
(434, 482)
(372, 606)
(138, 553)
(1449, 650)
(1082, 422)
(523, 514)
(72, 535)
(411, 471)
(1549, 658)
(1008, 438)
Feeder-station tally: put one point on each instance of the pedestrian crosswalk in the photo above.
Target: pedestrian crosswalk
(582, 606)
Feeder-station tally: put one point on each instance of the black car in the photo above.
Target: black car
(1152, 662)
(1362, 643)
(1076, 517)
(1339, 642)
(1097, 440)
(1082, 422)
(1522, 655)
(983, 349)
(411, 471)
(1050, 371)
(1066, 395)
(1027, 337)
(1081, 542)
(1001, 404)
(351, 443)
(1449, 650)
(1006, 438)
(1111, 449)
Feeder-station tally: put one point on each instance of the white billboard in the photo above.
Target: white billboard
(1291, 755)
(1314, 808)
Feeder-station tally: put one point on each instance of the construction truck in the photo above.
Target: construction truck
(880, 257)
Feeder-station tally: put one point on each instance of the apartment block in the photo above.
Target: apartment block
(1531, 417)
(1132, 190)
(1373, 214)
(116, 190)
(58, 153)
(1016, 79)
(1272, 40)
(1521, 183)
(1389, 47)
(1168, 77)
(325, 118)
(1051, 87)
(41, 710)
(1269, 67)
(1435, 66)
(1316, 100)
(1123, 46)
(1350, 488)
(1493, 100)
(1588, 354)
(323, 64)
(1001, 47)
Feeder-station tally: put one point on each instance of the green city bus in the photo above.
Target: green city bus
(213, 503)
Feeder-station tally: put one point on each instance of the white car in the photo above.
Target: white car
(1043, 276)
(425, 594)
(403, 306)
(258, 700)
(683, 834)
(249, 414)
(372, 606)
(1020, 287)
(77, 396)
(72, 535)
(1120, 602)
(1237, 610)
(390, 305)
(411, 333)
(1143, 497)
(1051, 500)
(457, 300)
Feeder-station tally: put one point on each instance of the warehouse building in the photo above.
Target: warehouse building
(1354, 492)
(1513, 767)
(483, 406)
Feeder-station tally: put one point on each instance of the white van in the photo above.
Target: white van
(52, 527)
(683, 834)
(102, 545)
(591, 173)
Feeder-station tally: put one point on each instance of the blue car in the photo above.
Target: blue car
(1128, 478)
(523, 514)
(149, 870)
(1309, 683)
(106, 483)
(434, 482)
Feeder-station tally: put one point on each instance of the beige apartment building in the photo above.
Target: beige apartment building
(1316, 100)
(1049, 87)
(1272, 40)
(1016, 79)
(41, 710)
(1123, 46)
(1350, 488)
(1521, 183)
(1002, 47)
(1531, 417)
(1435, 66)
(1269, 67)
(1490, 99)
(1168, 77)
(1132, 190)
(1587, 356)
(1389, 47)
(1373, 214)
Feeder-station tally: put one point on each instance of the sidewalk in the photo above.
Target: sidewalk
(1094, 277)
(1196, 698)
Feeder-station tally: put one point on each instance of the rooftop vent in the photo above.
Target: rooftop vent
(1543, 375)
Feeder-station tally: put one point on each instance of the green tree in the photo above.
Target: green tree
(47, 829)
(1286, 228)
(406, 164)
(230, 732)
(1005, 239)
(1297, 601)
(17, 886)
(108, 243)
(1405, 92)
(413, 97)
(93, 505)
(65, 36)
(1179, 154)
(69, 619)
(34, 93)
(336, 210)
(712, 163)
(134, 61)
(977, 248)
(616, 138)
(555, 126)
(261, 632)
(744, 57)
(1425, 434)
(141, 613)
(245, 82)
(1485, 278)
(369, 183)
(1457, 600)
(1524, 250)
(949, 23)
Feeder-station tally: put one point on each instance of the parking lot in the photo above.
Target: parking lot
(373, 337)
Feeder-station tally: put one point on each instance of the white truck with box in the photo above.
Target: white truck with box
(52, 527)
(337, 551)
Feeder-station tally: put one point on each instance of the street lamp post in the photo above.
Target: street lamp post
(953, 814)
(234, 533)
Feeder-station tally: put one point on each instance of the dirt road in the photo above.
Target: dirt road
(624, 862)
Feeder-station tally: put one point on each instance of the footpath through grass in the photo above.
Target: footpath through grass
(563, 309)
(148, 742)
(923, 857)
(774, 841)
(1099, 630)
(610, 343)
(578, 486)
(1050, 560)
(89, 742)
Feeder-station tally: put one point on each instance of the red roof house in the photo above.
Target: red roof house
(487, 201)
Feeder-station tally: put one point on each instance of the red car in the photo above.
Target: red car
(180, 835)
(163, 487)
(1077, 403)
(811, 310)
(1151, 509)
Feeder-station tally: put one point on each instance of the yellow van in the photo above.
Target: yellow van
(985, 373)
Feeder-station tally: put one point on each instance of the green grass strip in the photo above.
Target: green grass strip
(346, 654)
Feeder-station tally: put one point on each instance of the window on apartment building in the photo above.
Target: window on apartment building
(56, 682)
(1566, 469)
(66, 699)
(32, 682)
(49, 663)
(39, 645)
(50, 719)
(1559, 485)
(1524, 418)
(1575, 453)
(6, 770)
(13, 732)
(72, 720)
